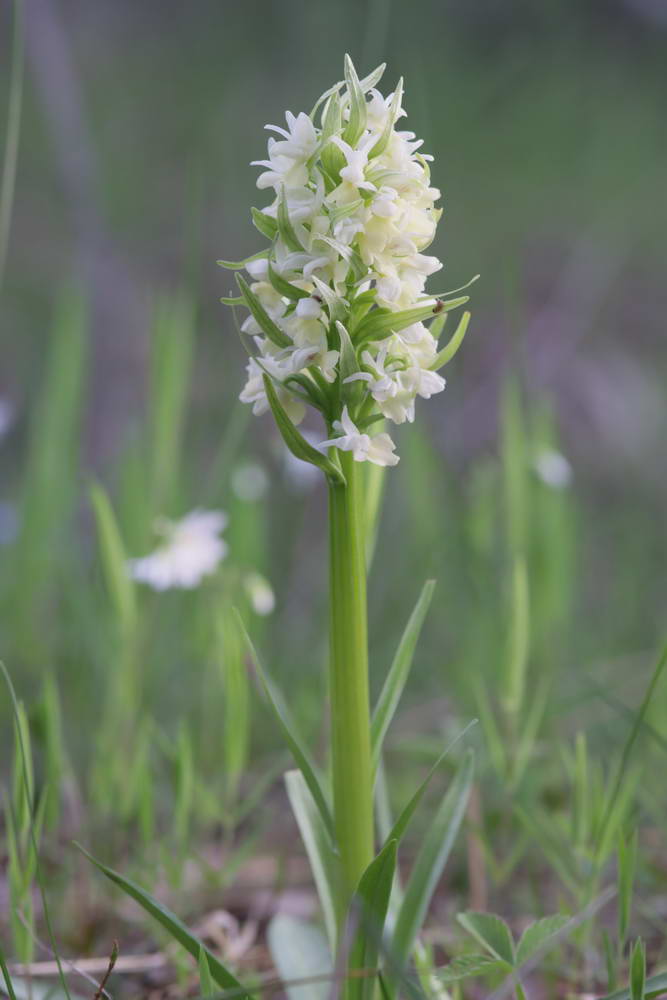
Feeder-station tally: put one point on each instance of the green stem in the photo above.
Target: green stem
(350, 717)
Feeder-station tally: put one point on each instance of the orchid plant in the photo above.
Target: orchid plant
(338, 322)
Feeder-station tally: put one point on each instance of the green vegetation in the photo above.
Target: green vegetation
(150, 728)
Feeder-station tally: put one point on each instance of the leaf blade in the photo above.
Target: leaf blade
(283, 716)
(220, 973)
(398, 672)
(431, 860)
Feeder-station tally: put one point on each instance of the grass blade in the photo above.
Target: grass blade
(398, 672)
(114, 561)
(288, 728)
(401, 824)
(13, 133)
(628, 748)
(220, 973)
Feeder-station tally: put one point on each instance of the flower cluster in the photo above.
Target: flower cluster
(337, 302)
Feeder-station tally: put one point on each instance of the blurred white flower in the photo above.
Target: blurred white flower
(553, 469)
(249, 482)
(260, 593)
(379, 449)
(192, 550)
(301, 476)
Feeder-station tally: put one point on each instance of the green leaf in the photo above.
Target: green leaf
(316, 839)
(638, 970)
(401, 824)
(615, 795)
(431, 860)
(206, 984)
(114, 560)
(286, 288)
(398, 672)
(381, 322)
(383, 141)
(296, 443)
(265, 223)
(286, 722)
(537, 935)
(655, 986)
(627, 857)
(466, 966)
(491, 932)
(9, 986)
(259, 313)
(220, 973)
(356, 124)
(285, 227)
(368, 912)
(331, 156)
(444, 356)
(299, 951)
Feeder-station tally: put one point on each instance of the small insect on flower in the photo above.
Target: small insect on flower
(192, 549)
(339, 317)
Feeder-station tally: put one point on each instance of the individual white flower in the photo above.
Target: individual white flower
(260, 593)
(356, 160)
(287, 158)
(378, 449)
(255, 393)
(553, 469)
(192, 550)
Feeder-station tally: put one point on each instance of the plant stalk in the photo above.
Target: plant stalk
(350, 716)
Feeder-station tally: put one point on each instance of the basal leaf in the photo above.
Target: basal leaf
(287, 725)
(220, 973)
(316, 839)
(431, 860)
(368, 913)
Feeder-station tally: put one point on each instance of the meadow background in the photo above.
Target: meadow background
(120, 367)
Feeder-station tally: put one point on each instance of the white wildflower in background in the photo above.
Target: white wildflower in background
(192, 550)
(249, 482)
(338, 310)
(553, 469)
(260, 593)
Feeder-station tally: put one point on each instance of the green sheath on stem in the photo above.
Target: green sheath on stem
(350, 717)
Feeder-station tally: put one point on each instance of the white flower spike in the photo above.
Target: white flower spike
(337, 302)
(191, 551)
